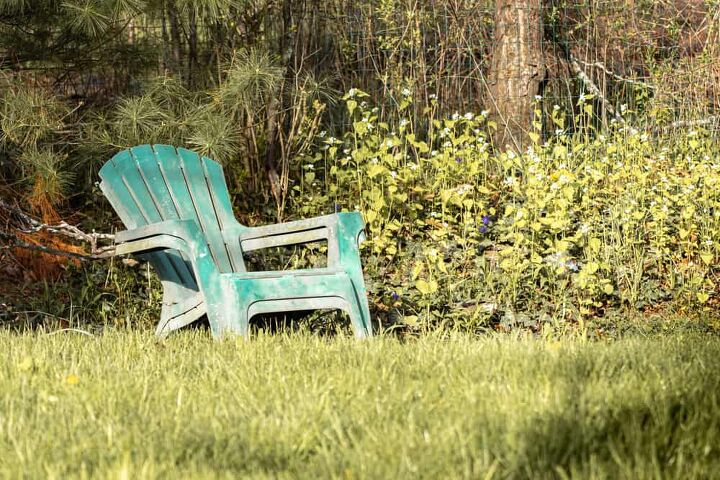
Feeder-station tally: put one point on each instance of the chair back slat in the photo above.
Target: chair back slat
(206, 211)
(221, 200)
(153, 183)
(134, 213)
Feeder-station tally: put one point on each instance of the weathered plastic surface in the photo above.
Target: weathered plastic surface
(176, 207)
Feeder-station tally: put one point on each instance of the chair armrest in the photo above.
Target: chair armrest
(186, 230)
(182, 235)
(339, 228)
(311, 228)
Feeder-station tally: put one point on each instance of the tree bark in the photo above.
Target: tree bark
(517, 71)
(176, 46)
(192, 48)
(276, 105)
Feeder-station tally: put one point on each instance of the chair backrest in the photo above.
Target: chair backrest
(152, 183)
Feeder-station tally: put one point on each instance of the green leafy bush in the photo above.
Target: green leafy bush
(583, 222)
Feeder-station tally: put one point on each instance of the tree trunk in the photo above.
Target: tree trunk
(517, 70)
(176, 46)
(192, 49)
(275, 107)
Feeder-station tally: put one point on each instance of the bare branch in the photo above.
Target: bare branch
(602, 67)
(15, 242)
(28, 224)
(592, 88)
(696, 123)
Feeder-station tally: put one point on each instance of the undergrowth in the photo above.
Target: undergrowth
(581, 225)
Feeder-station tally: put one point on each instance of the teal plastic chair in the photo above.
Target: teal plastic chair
(177, 210)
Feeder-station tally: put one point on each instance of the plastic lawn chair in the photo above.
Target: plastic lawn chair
(176, 207)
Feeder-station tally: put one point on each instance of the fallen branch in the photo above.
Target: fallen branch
(617, 77)
(592, 88)
(14, 242)
(695, 123)
(28, 225)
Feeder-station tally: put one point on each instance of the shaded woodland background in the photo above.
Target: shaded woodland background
(257, 84)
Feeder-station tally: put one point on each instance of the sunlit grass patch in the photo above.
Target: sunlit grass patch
(304, 407)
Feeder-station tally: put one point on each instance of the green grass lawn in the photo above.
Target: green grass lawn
(123, 405)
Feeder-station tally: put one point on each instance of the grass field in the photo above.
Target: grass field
(123, 405)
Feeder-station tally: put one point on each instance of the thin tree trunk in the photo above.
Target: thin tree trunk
(166, 41)
(192, 48)
(517, 70)
(176, 47)
(275, 106)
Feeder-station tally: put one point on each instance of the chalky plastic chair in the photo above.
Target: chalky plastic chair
(176, 207)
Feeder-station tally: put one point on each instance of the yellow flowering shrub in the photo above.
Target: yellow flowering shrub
(573, 226)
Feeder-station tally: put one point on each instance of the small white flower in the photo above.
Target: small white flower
(582, 98)
(403, 122)
(393, 173)
(469, 116)
(556, 107)
(433, 153)
(432, 96)
(485, 113)
(322, 134)
(465, 188)
(413, 166)
(559, 131)
(352, 92)
(455, 116)
(405, 92)
(538, 97)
